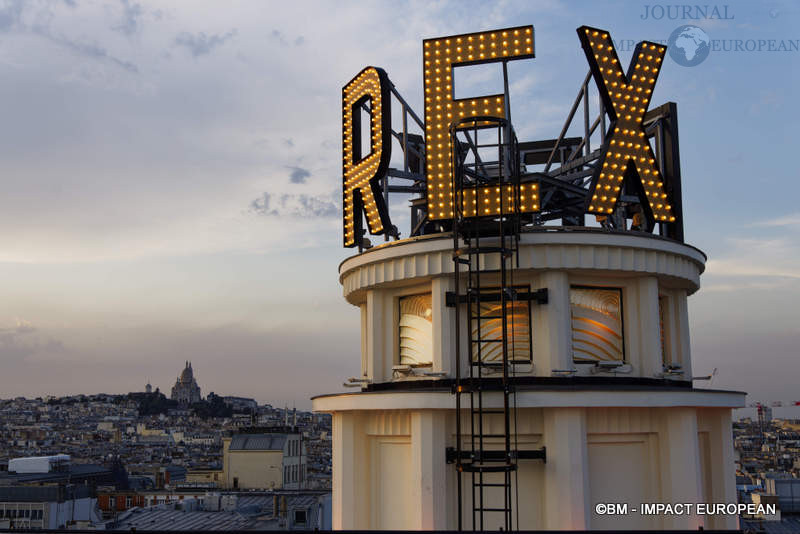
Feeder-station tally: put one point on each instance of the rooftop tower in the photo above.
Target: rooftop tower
(525, 351)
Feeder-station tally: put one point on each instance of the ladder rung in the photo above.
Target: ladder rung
(491, 509)
(473, 455)
(483, 250)
(481, 468)
(492, 484)
(538, 296)
(489, 410)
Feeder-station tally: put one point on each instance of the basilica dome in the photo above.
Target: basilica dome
(187, 376)
(186, 391)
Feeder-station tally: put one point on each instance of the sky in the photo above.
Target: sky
(171, 182)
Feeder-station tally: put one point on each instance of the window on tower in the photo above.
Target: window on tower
(416, 330)
(597, 330)
(487, 330)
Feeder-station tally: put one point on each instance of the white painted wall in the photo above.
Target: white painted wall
(390, 473)
(642, 275)
(603, 445)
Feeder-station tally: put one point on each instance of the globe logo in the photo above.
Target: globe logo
(689, 45)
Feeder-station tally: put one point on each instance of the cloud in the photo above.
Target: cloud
(774, 254)
(738, 283)
(10, 14)
(792, 220)
(317, 206)
(23, 341)
(200, 44)
(283, 40)
(278, 36)
(11, 17)
(775, 257)
(298, 175)
(90, 50)
(130, 18)
(261, 205)
(302, 205)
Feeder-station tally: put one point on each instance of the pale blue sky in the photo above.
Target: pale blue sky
(138, 140)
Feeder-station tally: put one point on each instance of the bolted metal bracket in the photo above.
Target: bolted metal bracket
(538, 296)
(451, 455)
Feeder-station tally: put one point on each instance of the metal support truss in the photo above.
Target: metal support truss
(566, 167)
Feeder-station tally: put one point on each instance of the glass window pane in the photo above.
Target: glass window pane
(416, 330)
(487, 332)
(597, 333)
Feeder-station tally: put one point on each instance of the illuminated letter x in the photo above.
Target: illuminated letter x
(627, 152)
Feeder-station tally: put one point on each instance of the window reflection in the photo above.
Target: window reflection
(487, 332)
(416, 330)
(597, 333)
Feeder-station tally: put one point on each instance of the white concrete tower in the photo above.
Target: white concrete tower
(631, 431)
(594, 335)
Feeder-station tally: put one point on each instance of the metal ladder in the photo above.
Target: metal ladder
(485, 251)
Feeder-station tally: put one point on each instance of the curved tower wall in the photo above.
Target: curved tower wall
(628, 428)
(645, 269)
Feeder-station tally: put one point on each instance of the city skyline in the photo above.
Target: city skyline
(172, 185)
